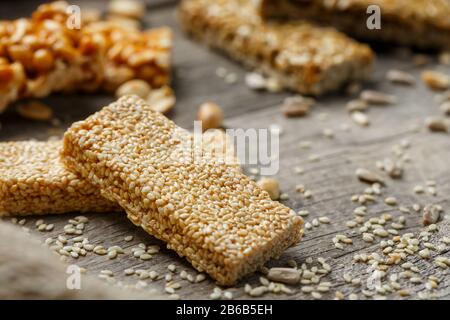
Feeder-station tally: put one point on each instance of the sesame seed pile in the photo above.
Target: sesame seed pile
(207, 211)
(34, 181)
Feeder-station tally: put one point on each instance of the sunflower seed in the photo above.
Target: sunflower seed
(368, 176)
(377, 97)
(284, 275)
(401, 77)
(436, 124)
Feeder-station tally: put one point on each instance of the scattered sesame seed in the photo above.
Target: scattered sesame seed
(258, 291)
(145, 256)
(353, 296)
(171, 267)
(391, 201)
(129, 272)
(303, 213)
(228, 295)
(316, 295)
(324, 220)
(112, 254)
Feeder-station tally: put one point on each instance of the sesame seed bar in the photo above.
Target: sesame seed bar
(34, 181)
(206, 210)
(43, 54)
(301, 56)
(420, 23)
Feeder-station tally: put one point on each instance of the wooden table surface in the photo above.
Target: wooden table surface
(331, 178)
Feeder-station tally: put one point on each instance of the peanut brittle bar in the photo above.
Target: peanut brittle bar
(421, 23)
(131, 54)
(301, 56)
(34, 181)
(206, 210)
(43, 54)
(51, 56)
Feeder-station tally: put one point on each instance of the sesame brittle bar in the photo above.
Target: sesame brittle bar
(206, 210)
(301, 56)
(34, 181)
(43, 54)
(421, 23)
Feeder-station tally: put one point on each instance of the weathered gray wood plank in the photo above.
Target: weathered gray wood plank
(331, 179)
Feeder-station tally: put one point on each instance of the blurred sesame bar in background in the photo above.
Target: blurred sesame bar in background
(420, 23)
(41, 55)
(300, 56)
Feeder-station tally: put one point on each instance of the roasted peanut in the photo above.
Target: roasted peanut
(211, 115)
(43, 60)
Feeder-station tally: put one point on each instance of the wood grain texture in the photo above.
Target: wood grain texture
(331, 179)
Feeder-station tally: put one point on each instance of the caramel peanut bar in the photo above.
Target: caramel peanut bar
(206, 210)
(45, 54)
(301, 56)
(422, 23)
(132, 54)
(34, 181)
